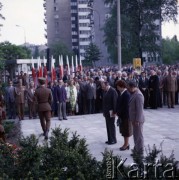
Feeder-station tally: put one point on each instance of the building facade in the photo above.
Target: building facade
(76, 23)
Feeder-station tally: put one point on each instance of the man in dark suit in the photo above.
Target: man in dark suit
(43, 97)
(91, 96)
(61, 97)
(10, 100)
(143, 86)
(109, 111)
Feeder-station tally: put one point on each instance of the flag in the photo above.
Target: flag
(80, 66)
(45, 74)
(53, 72)
(33, 70)
(61, 66)
(72, 66)
(68, 67)
(76, 63)
(40, 74)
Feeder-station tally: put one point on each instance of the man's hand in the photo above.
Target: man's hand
(136, 123)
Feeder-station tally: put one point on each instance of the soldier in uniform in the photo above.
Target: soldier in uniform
(43, 97)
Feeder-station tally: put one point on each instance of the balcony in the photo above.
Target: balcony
(45, 21)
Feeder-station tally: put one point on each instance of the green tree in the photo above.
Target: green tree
(92, 54)
(59, 49)
(139, 30)
(10, 51)
(170, 49)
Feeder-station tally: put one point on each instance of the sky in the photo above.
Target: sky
(29, 15)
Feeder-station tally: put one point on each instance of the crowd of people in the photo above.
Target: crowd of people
(85, 93)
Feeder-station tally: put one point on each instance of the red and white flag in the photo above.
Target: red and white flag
(40, 73)
(80, 66)
(53, 72)
(72, 67)
(76, 63)
(61, 66)
(33, 72)
(45, 74)
(68, 66)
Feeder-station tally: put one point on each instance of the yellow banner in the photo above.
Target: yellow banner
(137, 62)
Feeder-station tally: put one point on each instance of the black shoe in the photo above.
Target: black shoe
(169, 107)
(65, 119)
(172, 107)
(111, 143)
(124, 148)
(46, 135)
(60, 119)
(107, 142)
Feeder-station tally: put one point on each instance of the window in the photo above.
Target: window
(73, 25)
(83, 24)
(73, 18)
(74, 40)
(73, 11)
(54, 1)
(55, 8)
(73, 3)
(107, 5)
(74, 33)
(83, 9)
(56, 24)
(85, 32)
(56, 16)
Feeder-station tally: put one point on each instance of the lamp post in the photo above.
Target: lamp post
(119, 33)
(24, 32)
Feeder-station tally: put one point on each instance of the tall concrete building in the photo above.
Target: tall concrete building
(76, 23)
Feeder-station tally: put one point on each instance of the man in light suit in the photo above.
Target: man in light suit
(109, 111)
(43, 97)
(136, 116)
(30, 100)
(19, 94)
(91, 96)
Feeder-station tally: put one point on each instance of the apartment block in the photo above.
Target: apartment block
(76, 23)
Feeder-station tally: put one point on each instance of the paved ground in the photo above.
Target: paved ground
(161, 126)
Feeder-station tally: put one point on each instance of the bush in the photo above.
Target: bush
(63, 158)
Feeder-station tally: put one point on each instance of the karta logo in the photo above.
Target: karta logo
(136, 171)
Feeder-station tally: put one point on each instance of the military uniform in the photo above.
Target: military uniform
(43, 97)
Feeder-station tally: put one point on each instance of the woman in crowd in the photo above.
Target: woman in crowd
(72, 96)
(125, 125)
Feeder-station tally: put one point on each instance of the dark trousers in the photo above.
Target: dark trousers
(146, 97)
(32, 110)
(111, 129)
(11, 110)
(45, 120)
(176, 97)
(91, 106)
(164, 97)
